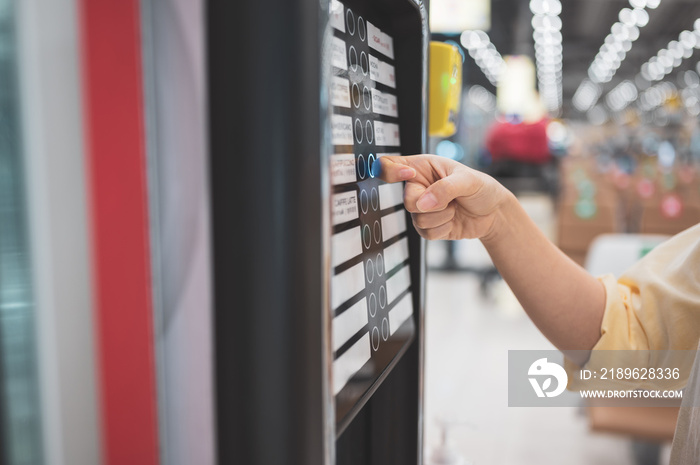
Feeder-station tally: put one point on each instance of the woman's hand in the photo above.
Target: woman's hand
(450, 201)
(446, 199)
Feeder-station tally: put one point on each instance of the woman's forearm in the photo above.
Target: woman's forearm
(562, 299)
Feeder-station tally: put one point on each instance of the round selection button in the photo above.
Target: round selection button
(370, 164)
(361, 167)
(372, 305)
(366, 97)
(366, 236)
(380, 264)
(352, 55)
(377, 232)
(375, 338)
(364, 203)
(358, 131)
(382, 297)
(350, 21)
(369, 271)
(385, 328)
(356, 97)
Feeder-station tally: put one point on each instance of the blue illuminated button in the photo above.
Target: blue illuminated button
(376, 168)
(370, 164)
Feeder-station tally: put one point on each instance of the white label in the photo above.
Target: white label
(382, 72)
(390, 195)
(380, 41)
(392, 154)
(350, 363)
(395, 254)
(398, 283)
(384, 103)
(386, 134)
(346, 245)
(348, 323)
(347, 284)
(337, 13)
(393, 224)
(341, 130)
(338, 55)
(340, 92)
(344, 207)
(374, 68)
(400, 313)
(343, 168)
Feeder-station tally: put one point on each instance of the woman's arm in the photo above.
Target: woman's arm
(447, 200)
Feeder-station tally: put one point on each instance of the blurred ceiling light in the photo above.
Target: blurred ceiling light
(640, 17)
(671, 57)
(621, 96)
(547, 35)
(586, 95)
(484, 53)
(622, 35)
(454, 16)
(545, 7)
(656, 95)
(688, 41)
(482, 98)
(557, 132)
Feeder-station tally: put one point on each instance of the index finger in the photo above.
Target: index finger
(392, 168)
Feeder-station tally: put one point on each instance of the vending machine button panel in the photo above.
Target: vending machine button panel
(370, 284)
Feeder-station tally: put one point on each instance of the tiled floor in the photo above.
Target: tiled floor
(468, 337)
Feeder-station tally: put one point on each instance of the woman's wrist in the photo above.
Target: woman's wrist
(503, 217)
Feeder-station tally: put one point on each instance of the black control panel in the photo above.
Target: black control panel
(371, 290)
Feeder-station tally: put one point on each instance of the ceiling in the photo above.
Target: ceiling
(585, 24)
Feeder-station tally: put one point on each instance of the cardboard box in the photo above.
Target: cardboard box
(576, 234)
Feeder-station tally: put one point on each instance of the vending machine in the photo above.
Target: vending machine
(317, 271)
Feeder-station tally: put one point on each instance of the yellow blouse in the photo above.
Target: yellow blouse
(654, 306)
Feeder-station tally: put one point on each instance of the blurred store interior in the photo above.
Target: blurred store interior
(619, 99)
(162, 289)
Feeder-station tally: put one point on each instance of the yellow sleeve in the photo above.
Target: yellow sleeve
(655, 305)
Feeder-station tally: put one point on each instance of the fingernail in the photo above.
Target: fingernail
(407, 173)
(427, 202)
(376, 169)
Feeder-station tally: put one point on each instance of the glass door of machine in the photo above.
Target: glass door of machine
(20, 415)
